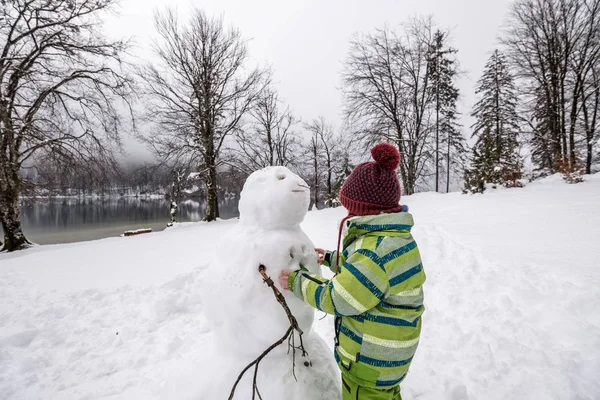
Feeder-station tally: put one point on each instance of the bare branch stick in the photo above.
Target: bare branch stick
(289, 335)
(258, 360)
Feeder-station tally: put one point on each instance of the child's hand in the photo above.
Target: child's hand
(320, 255)
(283, 279)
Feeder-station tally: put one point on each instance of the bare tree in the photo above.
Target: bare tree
(271, 139)
(60, 92)
(198, 92)
(555, 44)
(329, 158)
(590, 108)
(388, 93)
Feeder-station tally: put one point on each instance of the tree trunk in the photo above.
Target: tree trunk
(175, 195)
(405, 180)
(448, 165)
(498, 149)
(270, 145)
(573, 123)
(590, 128)
(14, 239)
(212, 200)
(410, 176)
(329, 183)
(437, 125)
(563, 123)
(403, 169)
(591, 133)
(316, 172)
(589, 158)
(437, 134)
(409, 188)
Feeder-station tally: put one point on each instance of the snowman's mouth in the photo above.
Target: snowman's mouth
(301, 190)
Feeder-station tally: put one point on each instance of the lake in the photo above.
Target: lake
(66, 220)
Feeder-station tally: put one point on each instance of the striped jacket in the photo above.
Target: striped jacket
(376, 296)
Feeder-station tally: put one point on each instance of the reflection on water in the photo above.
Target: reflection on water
(51, 221)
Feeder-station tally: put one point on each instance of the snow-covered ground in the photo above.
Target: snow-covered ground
(513, 306)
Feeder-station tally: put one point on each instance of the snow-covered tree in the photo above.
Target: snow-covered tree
(454, 146)
(179, 176)
(495, 158)
(443, 71)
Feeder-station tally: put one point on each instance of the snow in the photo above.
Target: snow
(512, 304)
(274, 198)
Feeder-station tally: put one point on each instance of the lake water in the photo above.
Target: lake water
(69, 220)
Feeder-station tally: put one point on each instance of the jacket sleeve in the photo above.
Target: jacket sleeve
(329, 260)
(359, 286)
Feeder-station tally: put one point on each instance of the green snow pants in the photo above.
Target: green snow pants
(351, 391)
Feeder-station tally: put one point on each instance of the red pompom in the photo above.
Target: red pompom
(386, 155)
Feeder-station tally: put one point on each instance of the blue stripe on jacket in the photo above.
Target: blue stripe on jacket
(390, 383)
(373, 256)
(353, 336)
(366, 282)
(318, 297)
(399, 307)
(406, 275)
(398, 252)
(391, 321)
(381, 363)
(387, 227)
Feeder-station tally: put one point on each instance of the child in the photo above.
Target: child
(376, 294)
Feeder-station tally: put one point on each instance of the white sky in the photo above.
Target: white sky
(305, 42)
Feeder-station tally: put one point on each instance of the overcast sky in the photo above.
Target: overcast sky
(305, 42)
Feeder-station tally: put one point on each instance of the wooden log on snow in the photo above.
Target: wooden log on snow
(137, 232)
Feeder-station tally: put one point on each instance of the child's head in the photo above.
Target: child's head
(373, 187)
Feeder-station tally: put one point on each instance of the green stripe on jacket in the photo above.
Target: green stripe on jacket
(377, 295)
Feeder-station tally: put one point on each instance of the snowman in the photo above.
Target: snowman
(246, 317)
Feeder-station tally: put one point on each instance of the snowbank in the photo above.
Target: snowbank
(512, 303)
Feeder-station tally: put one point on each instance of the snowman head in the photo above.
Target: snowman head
(274, 197)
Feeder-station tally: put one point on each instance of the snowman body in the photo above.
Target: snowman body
(243, 309)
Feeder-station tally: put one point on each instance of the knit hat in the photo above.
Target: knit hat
(373, 187)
